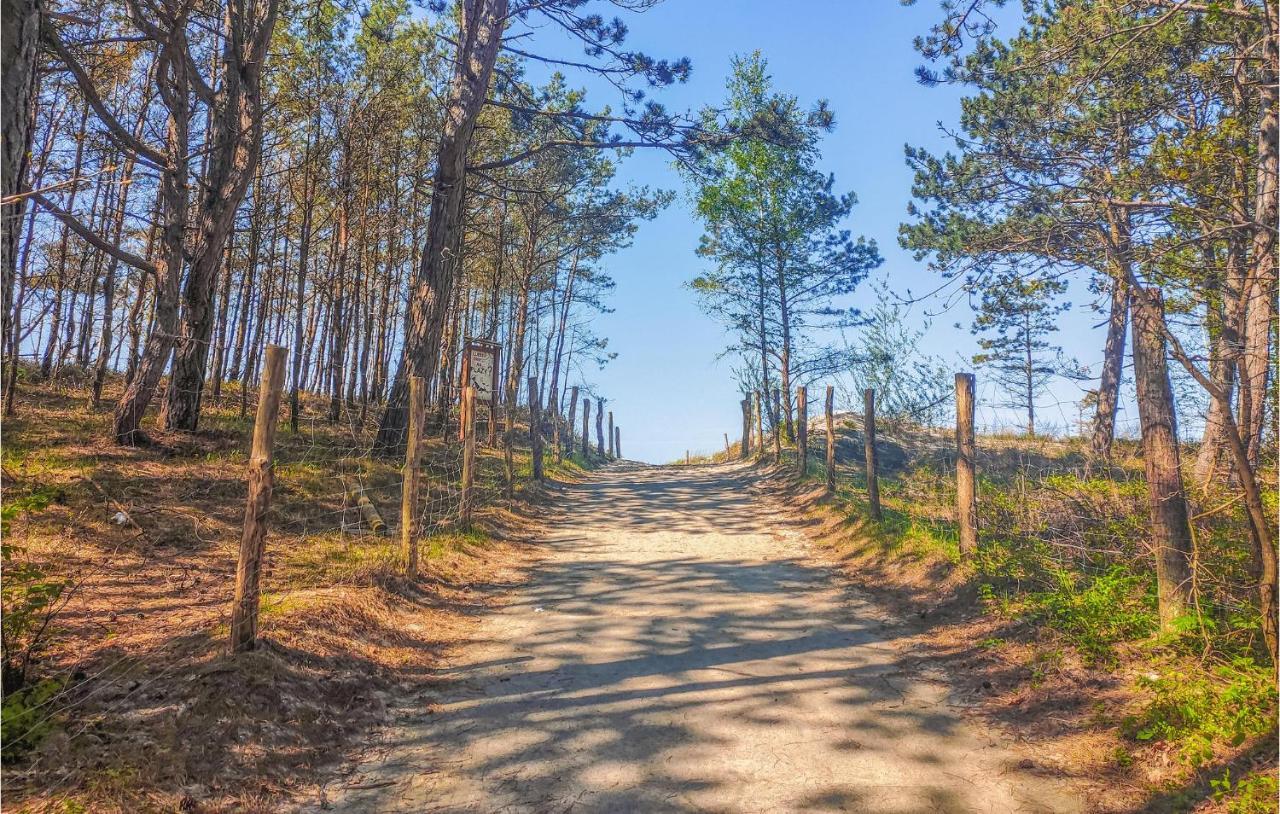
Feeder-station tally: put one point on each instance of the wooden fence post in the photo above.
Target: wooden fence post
(611, 451)
(535, 430)
(586, 428)
(966, 451)
(617, 440)
(831, 439)
(777, 428)
(468, 453)
(573, 416)
(412, 475)
(727, 446)
(508, 445)
(687, 458)
(244, 610)
(600, 427)
(1171, 529)
(869, 446)
(759, 424)
(802, 431)
(745, 451)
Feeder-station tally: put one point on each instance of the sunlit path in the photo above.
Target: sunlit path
(676, 653)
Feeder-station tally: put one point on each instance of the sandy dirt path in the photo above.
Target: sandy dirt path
(679, 650)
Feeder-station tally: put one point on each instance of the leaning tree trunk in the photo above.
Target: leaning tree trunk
(168, 268)
(481, 33)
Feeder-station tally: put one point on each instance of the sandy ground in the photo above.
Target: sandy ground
(681, 650)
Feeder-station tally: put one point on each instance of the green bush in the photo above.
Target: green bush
(26, 716)
(1096, 612)
(1230, 703)
(28, 600)
(1255, 794)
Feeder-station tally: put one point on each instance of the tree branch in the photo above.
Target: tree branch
(115, 129)
(90, 237)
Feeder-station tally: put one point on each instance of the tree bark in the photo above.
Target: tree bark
(173, 85)
(1170, 526)
(20, 22)
(482, 24)
(235, 142)
(1104, 420)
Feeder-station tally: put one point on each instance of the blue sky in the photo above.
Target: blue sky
(667, 390)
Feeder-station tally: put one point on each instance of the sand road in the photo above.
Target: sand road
(679, 650)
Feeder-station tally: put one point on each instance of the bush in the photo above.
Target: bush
(1255, 794)
(1231, 703)
(25, 718)
(1096, 612)
(28, 600)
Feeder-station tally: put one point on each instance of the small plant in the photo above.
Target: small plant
(28, 599)
(25, 718)
(1254, 794)
(1097, 612)
(1233, 702)
(1122, 758)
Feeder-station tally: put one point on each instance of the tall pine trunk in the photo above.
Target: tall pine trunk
(482, 24)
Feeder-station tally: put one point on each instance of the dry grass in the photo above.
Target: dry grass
(154, 714)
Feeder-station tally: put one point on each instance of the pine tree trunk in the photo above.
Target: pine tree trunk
(1170, 527)
(169, 262)
(20, 22)
(1261, 289)
(482, 25)
(1104, 420)
(236, 140)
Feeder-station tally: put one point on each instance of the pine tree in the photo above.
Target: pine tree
(1015, 316)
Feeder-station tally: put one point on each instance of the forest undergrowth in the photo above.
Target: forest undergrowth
(119, 569)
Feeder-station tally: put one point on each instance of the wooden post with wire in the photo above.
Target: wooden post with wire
(586, 428)
(745, 450)
(611, 449)
(802, 431)
(412, 477)
(831, 440)
(468, 454)
(617, 441)
(966, 451)
(777, 427)
(244, 610)
(573, 415)
(869, 447)
(600, 427)
(535, 428)
(759, 424)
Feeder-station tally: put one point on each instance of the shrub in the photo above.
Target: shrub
(1095, 612)
(26, 717)
(1232, 702)
(28, 600)
(1255, 794)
